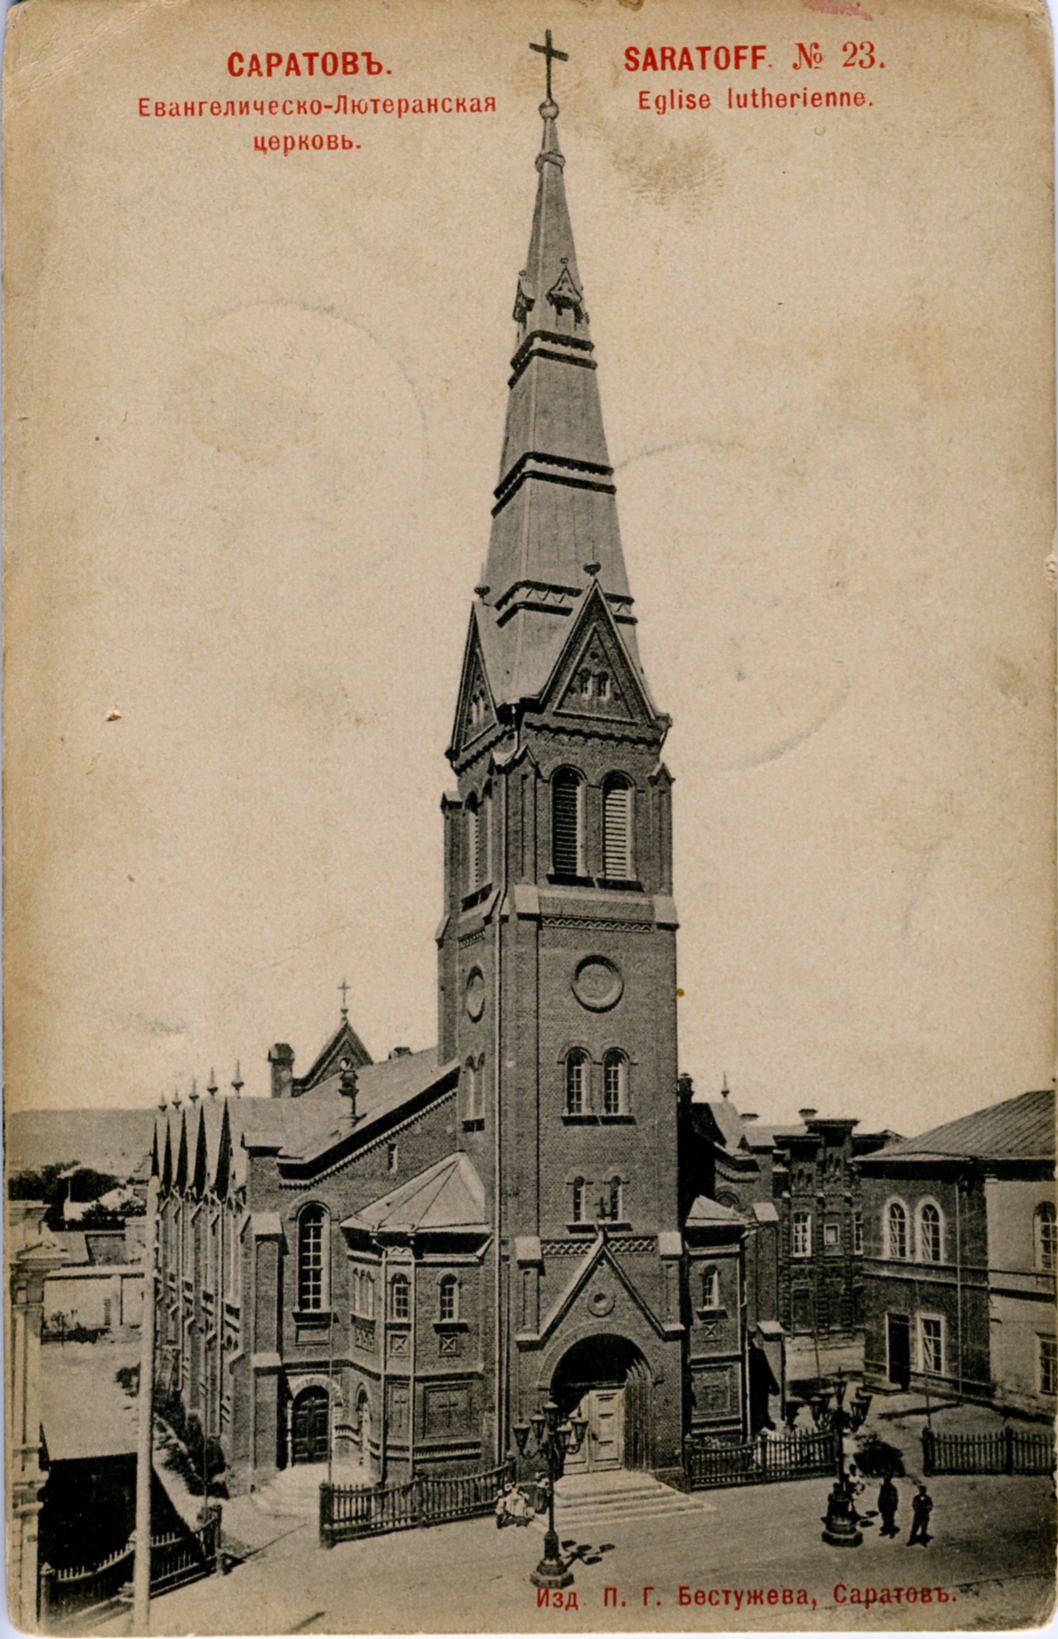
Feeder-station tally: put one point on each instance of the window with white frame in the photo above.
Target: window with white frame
(616, 1200)
(1048, 1365)
(832, 1237)
(1046, 1236)
(710, 1287)
(400, 1298)
(857, 1232)
(580, 1200)
(931, 1344)
(929, 1233)
(448, 1299)
(802, 1234)
(614, 1083)
(577, 1071)
(896, 1230)
(311, 1258)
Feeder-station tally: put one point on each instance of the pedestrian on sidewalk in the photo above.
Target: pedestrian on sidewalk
(921, 1509)
(888, 1503)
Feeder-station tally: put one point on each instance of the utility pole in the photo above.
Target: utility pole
(141, 1574)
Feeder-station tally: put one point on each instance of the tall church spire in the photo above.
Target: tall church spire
(554, 522)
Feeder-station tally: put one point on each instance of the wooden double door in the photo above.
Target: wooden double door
(603, 1445)
(310, 1427)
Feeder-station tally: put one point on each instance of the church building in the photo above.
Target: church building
(406, 1259)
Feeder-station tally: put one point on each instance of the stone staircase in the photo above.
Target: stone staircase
(296, 1491)
(595, 1502)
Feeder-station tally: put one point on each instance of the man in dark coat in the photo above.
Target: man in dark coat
(921, 1508)
(888, 1503)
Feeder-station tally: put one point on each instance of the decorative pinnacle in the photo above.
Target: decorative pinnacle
(211, 1085)
(237, 1082)
(193, 1095)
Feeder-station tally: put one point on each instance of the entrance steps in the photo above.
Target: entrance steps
(610, 1497)
(296, 1490)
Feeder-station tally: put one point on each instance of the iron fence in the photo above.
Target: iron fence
(351, 1511)
(761, 1462)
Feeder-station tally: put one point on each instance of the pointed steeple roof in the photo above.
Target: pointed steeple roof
(554, 527)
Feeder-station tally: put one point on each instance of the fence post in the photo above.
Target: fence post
(326, 1533)
(47, 1583)
(927, 1451)
(1008, 1451)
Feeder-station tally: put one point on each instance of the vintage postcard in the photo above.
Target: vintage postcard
(529, 816)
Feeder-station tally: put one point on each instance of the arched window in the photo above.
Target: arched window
(580, 1186)
(710, 1287)
(577, 1069)
(311, 1259)
(567, 851)
(615, 1203)
(617, 811)
(1046, 1236)
(448, 1299)
(400, 1298)
(614, 1083)
(485, 838)
(473, 844)
(896, 1231)
(929, 1237)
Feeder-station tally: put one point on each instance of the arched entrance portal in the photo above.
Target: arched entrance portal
(609, 1381)
(310, 1427)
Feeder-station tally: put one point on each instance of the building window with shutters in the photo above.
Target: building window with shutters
(618, 811)
(473, 839)
(615, 1083)
(567, 824)
(312, 1264)
(931, 1344)
(578, 1068)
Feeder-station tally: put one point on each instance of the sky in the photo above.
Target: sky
(254, 412)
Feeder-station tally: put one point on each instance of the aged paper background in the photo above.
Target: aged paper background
(253, 414)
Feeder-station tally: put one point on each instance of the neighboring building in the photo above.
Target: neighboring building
(961, 1253)
(409, 1257)
(100, 1286)
(32, 1253)
(798, 1190)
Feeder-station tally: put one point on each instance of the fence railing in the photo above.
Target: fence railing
(351, 1511)
(1007, 1451)
(760, 1462)
(182, 1557)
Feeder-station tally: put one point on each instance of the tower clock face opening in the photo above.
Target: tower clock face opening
(474, 995)
(597, 983)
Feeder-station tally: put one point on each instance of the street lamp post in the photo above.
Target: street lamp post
(841, 1527)
(553, 1440)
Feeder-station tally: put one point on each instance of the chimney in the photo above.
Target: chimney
(281, 1058)
(807, 1115)
(400, 1053)
(347, 1086)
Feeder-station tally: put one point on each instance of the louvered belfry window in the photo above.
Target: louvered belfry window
(565, 824)
(617, 831)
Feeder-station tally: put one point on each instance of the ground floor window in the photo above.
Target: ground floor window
(1048, 1365)
(931, 1334)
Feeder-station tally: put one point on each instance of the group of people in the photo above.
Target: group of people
(921, 1509)
(514, 1506)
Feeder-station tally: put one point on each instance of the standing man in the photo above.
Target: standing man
(921, 1508)
(888, 1503)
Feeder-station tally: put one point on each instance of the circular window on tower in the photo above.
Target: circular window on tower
(597, 983)
(474, 995)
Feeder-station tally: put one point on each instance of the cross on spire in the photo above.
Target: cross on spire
(549, 53)
(344, 988)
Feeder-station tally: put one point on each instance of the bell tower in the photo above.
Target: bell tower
(557, 948)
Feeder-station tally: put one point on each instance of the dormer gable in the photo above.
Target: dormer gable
(475, 706)
(594, 676)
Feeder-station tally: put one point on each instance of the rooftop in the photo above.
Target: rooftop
(1020, 1128)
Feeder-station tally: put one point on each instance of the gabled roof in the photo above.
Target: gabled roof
(326, 1068)
(1020, 1129)
(723, 1116)
(447, 1196)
